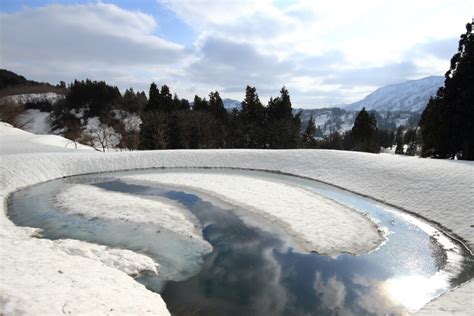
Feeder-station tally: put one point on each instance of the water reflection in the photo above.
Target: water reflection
(253, 272)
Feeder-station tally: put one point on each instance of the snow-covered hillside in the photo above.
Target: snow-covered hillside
(330, 120)
(83, 278)
(412, 95)
(230, 104)
(50, 97)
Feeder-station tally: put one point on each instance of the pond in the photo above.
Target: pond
(255, 269)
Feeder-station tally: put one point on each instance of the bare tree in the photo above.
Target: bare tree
(10, 112)
(100, 135)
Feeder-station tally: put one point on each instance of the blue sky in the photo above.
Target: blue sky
(325, 52)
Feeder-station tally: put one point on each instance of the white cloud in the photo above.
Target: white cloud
(326, 52)
(323, 44)
(332, 292)
(61, 42)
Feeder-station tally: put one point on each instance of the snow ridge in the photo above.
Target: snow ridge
(412, 95)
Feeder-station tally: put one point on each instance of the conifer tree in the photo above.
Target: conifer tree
(364, 132)
(399, 141)
(153, 99)
(308, 134)
(447, 124)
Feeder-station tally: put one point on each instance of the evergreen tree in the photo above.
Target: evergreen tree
(364, 132)
(410, 139)
(153, 98)
(216, 106)
(281, 127)
(447, 124)
(280, 108)
(166, 99)
(308, 134)
(399, 141)
(253, 117)
(200, 104)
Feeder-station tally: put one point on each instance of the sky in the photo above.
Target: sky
(325, 52)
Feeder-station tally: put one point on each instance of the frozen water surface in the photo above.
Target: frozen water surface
(255, 267)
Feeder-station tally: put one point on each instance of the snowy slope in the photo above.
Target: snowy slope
(19, 141)
(50, 97)
(36, 122)
(231, 104)
(330, 120)
(410, 95)
(29, 277)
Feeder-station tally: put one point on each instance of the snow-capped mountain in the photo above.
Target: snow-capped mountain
(412, 95)
(230, 104)
(330, 120)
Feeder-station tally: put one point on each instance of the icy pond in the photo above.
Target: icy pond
(255, 267)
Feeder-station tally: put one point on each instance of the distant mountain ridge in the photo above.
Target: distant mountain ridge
(330, 120)
(230, 104)
(412, 96)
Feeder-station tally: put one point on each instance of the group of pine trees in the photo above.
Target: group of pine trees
(168, 122)
(447, 124)
(172, 123)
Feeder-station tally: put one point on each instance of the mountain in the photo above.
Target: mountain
(412, 95)
(10, 79)
(330, 120)
(230, 104)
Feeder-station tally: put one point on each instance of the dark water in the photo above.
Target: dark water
(254, 272)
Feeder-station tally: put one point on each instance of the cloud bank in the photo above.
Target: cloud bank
(326, 53)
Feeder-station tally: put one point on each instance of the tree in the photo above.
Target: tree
(447, 123)
(364, 132)
(216, 105)
(308, 134)
(95, 98)
(399, 141)
(100, 134)
(253, 119)
(410, 139)
(200, 104)
(280, 108)
(281, 127)
(153, 98)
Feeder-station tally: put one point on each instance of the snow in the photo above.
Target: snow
(93, 202)
(50, 97)
(439, 190)
(129, 262)
(38, 278)
(15, 141)
(412, 95)
(324, 226)
(36, 122)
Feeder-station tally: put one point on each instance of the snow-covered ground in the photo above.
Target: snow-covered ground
(32, 270)
(92, 202)
(16, 141)
(323, 225)
(36, 122)
(50, 97)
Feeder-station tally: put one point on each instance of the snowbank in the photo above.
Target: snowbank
(16, 141)
(324, 226)
(38, 278)
(438, 190)
(132, 263)
(36, 122)
(92, 202)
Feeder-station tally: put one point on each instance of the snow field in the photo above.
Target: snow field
(441, 191)
(324, 226)
(91, 202)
